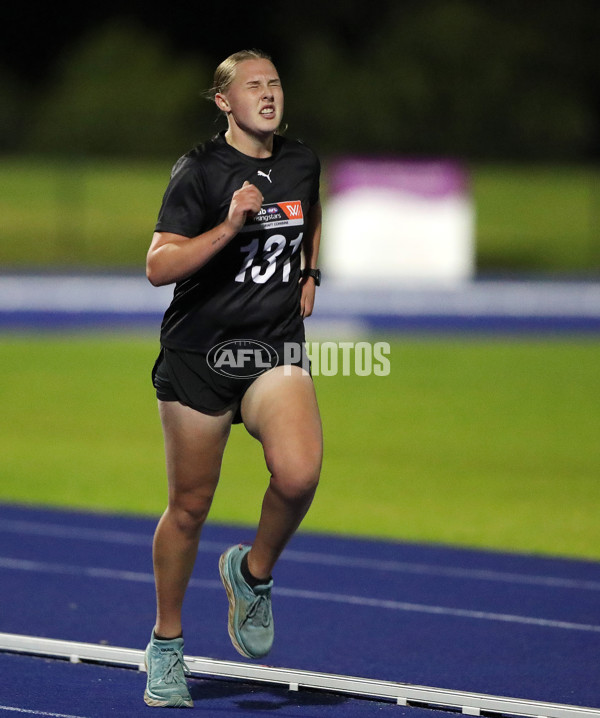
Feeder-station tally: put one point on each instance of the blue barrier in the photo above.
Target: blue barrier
(59, 302)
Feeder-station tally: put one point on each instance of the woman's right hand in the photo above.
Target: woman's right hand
(245, 202)
(174, 257)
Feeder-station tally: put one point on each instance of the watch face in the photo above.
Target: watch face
(315, 274)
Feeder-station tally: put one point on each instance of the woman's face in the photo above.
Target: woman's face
(254, 99)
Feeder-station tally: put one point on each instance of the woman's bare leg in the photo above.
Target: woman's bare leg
(280, 410)
(194, 445)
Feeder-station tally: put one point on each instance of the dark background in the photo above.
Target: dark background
(508, 80)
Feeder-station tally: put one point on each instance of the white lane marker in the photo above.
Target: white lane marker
(139, 577)
(310, 557)
(15, 709)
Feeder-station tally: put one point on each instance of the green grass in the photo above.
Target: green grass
(102, 213)
(483, 442)
(537, 217)
(79, 213)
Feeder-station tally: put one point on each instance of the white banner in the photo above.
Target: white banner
(389, 220)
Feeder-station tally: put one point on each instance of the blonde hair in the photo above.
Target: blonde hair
(225, 72)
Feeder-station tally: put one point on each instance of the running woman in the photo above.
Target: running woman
(239, 218)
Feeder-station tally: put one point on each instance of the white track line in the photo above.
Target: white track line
(445, 571)
(436, 610)
(323, 559)
(390, 605)
(28, 711)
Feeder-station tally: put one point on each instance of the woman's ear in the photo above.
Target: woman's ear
(221, 102)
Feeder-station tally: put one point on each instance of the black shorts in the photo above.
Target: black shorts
(188, 378)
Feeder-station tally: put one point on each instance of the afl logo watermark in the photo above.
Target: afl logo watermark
(242, 358)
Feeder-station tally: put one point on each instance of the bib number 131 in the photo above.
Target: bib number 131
(274, 247)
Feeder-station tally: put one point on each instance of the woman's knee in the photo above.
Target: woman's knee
(295, 478)
(189, 512)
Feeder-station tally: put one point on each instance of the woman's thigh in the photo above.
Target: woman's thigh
(280, 410)
(194, 446)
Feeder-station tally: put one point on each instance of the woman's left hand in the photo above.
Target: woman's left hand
(307, 297)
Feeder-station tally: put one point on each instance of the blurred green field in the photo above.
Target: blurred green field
(102, 213)
(537, 218)
(482, 442)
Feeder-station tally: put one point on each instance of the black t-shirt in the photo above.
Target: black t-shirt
(249, 289)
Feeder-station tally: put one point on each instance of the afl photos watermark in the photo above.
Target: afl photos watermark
(248, 358)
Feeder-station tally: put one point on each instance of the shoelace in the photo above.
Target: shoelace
(259, 613)
(171, 673)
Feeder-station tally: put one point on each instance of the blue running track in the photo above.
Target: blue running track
(493, 623)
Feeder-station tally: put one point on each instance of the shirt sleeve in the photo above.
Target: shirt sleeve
(183, 209)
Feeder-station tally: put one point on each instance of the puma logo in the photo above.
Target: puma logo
(264, 174)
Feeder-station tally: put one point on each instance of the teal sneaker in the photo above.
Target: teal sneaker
(250, 623)
(166, 686)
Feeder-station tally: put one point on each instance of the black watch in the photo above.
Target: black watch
(315, 274)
